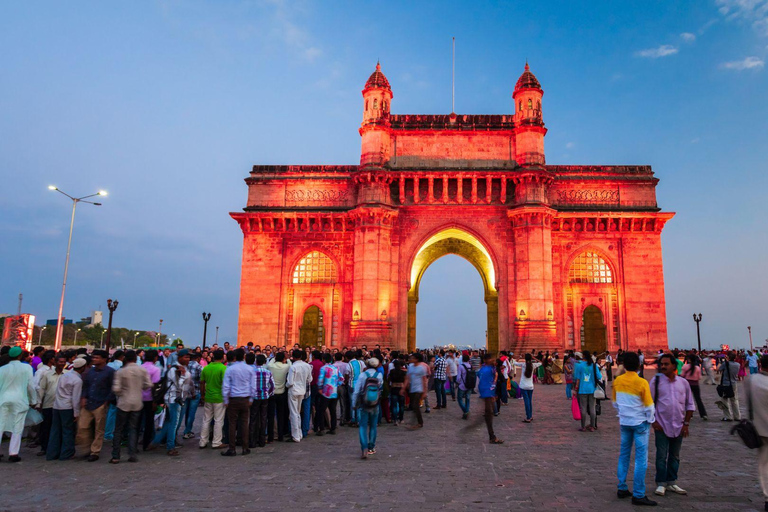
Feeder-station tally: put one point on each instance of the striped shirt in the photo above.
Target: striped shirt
(265, 384)
(632, 398)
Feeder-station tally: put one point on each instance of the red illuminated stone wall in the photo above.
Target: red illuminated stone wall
(474, 185)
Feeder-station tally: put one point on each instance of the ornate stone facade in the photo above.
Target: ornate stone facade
(569, 256)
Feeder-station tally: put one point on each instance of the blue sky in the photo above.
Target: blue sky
(167, 105)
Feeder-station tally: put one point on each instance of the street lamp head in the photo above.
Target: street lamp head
(52, 187)
(102, 192)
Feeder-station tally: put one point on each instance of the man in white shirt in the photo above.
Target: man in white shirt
(451, 369)
(299, 378)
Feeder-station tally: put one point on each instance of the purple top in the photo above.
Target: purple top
(154, 376)
(672, 403)
(36, 362)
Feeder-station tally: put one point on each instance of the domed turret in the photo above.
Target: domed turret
(377, 96)
(529, 122)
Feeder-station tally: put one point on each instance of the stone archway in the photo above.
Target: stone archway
(593, 330)
(458, 242)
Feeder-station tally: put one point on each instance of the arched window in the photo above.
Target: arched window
(521, 105)
(530, 104)
(366, 104)
(375, 104)
(315, 267)
(589, 267)
(538, 105)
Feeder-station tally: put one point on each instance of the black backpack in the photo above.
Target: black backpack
(470, 379)
(158, 391)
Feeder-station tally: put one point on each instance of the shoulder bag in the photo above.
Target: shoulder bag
(726, 391)
(746, 429)
(599, 391)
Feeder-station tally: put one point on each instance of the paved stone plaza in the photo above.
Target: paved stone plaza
(449, 465)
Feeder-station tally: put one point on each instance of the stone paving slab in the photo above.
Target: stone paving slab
(448, 465)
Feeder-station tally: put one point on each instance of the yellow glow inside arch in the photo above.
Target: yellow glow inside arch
(486, 264)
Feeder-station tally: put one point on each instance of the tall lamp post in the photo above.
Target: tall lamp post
(75, 200)
(160, 332)
(217, 335)
(697, 319)
(749, 328)
(101, 342)
(112, 306)
(134, 339)
(206, 317)
(40, 338)
(77, 331)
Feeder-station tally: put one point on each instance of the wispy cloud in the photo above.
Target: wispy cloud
(746, 63)
(570, 145)
(664, 50)
(688, 37)
(754, 12)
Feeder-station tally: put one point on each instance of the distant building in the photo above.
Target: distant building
(96, 318)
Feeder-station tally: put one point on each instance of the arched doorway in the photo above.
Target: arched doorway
(312, 330)
(593, 330)
(458, 242)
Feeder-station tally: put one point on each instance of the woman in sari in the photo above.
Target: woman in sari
(556, 369)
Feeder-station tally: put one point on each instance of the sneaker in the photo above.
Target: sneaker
(92, 458)
(676, 489)
(660, 490)
(643, 502)
(188, 435)
(229, 453)
(14, 458)
(173, 453)
(246, 451)
(427, 410)
(621, 494)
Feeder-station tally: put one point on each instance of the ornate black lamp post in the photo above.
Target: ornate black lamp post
(697, 319)
(206, 317)
(112, 306)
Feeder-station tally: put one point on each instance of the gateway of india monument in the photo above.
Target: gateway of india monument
(569, 255)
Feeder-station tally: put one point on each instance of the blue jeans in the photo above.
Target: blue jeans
(667, 457)
(752, 370)
(171, 425)
(368, 427)
(61, 443)
(109, 427)
(638, 435)
(188, 413)
(306, 413)
(528, 399)
(396, 406)
(440, 392)
(463, 400)
(569, 390)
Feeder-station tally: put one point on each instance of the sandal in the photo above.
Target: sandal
(114, 461)
(496, 440)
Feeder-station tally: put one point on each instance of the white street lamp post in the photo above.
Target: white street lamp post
(101, 343)
(134, 339)
(77, 331)
(40, 338)
(75, 200)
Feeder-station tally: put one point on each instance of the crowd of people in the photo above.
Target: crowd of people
(76, 400)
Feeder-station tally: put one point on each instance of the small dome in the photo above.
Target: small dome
(377, 79)
(527, 80)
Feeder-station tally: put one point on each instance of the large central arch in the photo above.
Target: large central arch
(461, 243)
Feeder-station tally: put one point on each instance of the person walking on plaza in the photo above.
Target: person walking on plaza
(279, 411)
(66, 410)
(189, 411)
(264, 387)
(692, 373)
(147, 398)
(46, 395)
(179, 387)
(707, 371)
(632, 398)
(298, 381)
(752, 362)
(17, 395)
(416, 386)
(109, 427)
(451, 370)
(529, 366)
(487, 378)
(97, 394)
(128, 385)
(729, 388)
(756, 388)
(237, 391)
(396, 379)
(211, 380)
(586, 375)
(441, 376)
(465, 382)
(343, 390)
(328, 380)
(367, 398)
(674, 408)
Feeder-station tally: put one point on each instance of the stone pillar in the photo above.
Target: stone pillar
(531, 222)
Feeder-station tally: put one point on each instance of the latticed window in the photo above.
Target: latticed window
(315, 267)
(589, 267)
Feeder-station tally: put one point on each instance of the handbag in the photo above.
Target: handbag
(575, 410)
(33, 418)
(726, 391)
(599, 391)
(746, 429)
